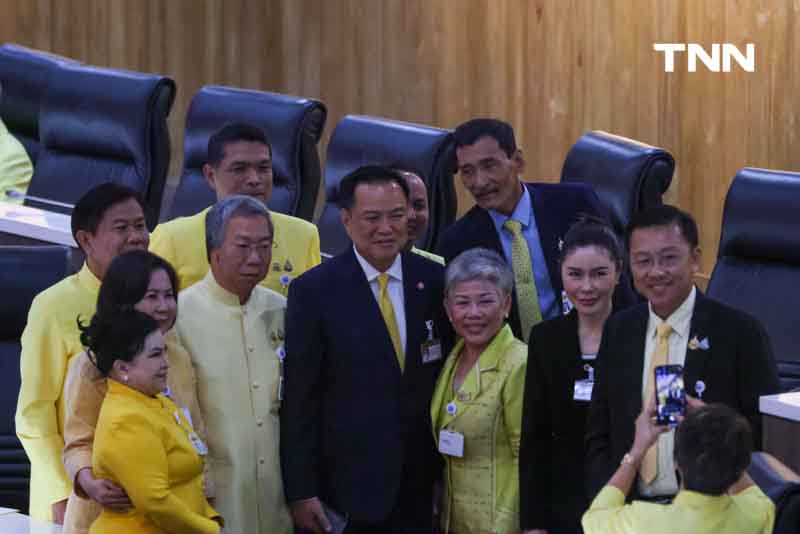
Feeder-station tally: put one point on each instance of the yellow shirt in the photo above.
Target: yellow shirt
(142, 443)
(50, 340)
(748, 512)
(235, 350)
(482, 487)
(182, 242)
(16, 168)
(84, 390)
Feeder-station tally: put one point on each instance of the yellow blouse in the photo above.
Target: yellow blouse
(16, 168)
(84, 390)
(482, 487)
(182, 242)
(143, 444)
(50, 340)
(747, 512)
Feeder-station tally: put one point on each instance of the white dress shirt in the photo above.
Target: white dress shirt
(394, 288)
(666, 483)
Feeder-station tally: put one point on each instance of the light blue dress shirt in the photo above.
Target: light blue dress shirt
(523, 213)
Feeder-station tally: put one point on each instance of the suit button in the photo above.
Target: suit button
(259, 422)
(261, 461)
(251, 349)
(255, 385)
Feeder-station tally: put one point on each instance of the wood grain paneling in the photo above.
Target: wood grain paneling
(553, 68)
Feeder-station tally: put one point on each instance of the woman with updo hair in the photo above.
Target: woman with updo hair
(143, 442)
(559, 381)
(141, 281)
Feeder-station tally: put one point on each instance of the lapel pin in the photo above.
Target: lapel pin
(699, 388)
(694, 344)
(420, 286)
(704, 344)
(452, 408)
(276, 266)
(560, 244)
(288, 266)
(284, 280)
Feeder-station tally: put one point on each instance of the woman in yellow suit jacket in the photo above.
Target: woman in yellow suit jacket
(143, 441)
(477, 404)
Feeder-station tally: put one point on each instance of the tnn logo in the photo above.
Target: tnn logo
(694, 51)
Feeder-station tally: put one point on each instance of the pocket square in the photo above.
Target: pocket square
(702, 343)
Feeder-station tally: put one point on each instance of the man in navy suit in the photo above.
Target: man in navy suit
(490, 165)
(725, 353)
(355, 427)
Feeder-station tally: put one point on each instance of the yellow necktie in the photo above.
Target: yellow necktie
(387, 310)
(527, 296)
(649, 468)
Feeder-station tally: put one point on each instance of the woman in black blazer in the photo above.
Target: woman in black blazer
(558, 383)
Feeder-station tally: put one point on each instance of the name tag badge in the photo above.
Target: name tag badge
(431, 351)
(451, 443)
(188, 416)
(583, 390)
(198, 444)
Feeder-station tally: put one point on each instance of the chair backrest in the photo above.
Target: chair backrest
(758, 262)
(103, 125)
(293, 126)
(780, 484)
(627, 175)
(361, 140)
(24, 272)
(24, 76)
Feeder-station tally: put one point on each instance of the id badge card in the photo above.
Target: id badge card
(431, 351)
(451, 443)
(583, 390)
(198, 444)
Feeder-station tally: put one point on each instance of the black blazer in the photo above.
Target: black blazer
(737, 368)
(556, 207)
(355, 431)
(551, 455)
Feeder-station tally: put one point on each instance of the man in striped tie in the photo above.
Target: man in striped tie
(363, 351)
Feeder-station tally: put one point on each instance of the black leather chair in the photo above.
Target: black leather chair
(780, 484)
(99, 125)
(24, 76)
(24, 272)
(293, 126)
(758, 263)
(627, 175)
(361, 140)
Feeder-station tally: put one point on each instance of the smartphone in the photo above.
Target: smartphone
(670, 394)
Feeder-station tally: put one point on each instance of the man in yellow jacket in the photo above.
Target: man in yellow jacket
(239, 163)
(106, 221)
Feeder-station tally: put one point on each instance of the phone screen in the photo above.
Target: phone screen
(670, 394)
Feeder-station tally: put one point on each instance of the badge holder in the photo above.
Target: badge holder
(431, 348)
(583, 388)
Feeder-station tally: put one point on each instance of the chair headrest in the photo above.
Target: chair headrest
(626, 174)
(24, 75)
(760, 219)
(363, 140)
(24, 273)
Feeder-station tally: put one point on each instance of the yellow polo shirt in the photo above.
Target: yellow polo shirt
(16, 168)
(182, 242)
(747, 512)
(50, 340)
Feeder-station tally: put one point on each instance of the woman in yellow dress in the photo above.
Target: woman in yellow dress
(477, 404)
(143, 442)
(147, 283)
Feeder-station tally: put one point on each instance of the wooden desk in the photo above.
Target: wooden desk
(24, 225)
(781, 418)
(15, 523)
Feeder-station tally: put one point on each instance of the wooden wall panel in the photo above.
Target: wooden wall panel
(553, 68)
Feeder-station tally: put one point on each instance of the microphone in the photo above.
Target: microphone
(17, 195)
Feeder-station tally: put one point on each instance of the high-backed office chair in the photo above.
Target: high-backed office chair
(780, 484)
(758, 263)
(24, 272)
(99, 125)
(24, 76)
(627, 175)
(361, 140)
(293, 126)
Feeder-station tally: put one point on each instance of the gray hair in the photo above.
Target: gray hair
(479, 264)
(222, 212)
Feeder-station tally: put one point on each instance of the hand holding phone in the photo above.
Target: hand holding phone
(670, 394)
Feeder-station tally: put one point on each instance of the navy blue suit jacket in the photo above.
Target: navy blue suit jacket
(355, 431)
(556, 207)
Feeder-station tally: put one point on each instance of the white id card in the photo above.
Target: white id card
(451, 443)
(431, 351)
(188, 416)
(583, 390)
(198, 444)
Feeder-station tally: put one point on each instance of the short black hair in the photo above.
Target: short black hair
(712, 448)
(664, 215)
(590, 230)
(232, 133)
(469, 132)
(93, 205)
(115, 336)
(368, 174)
(127, 279)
